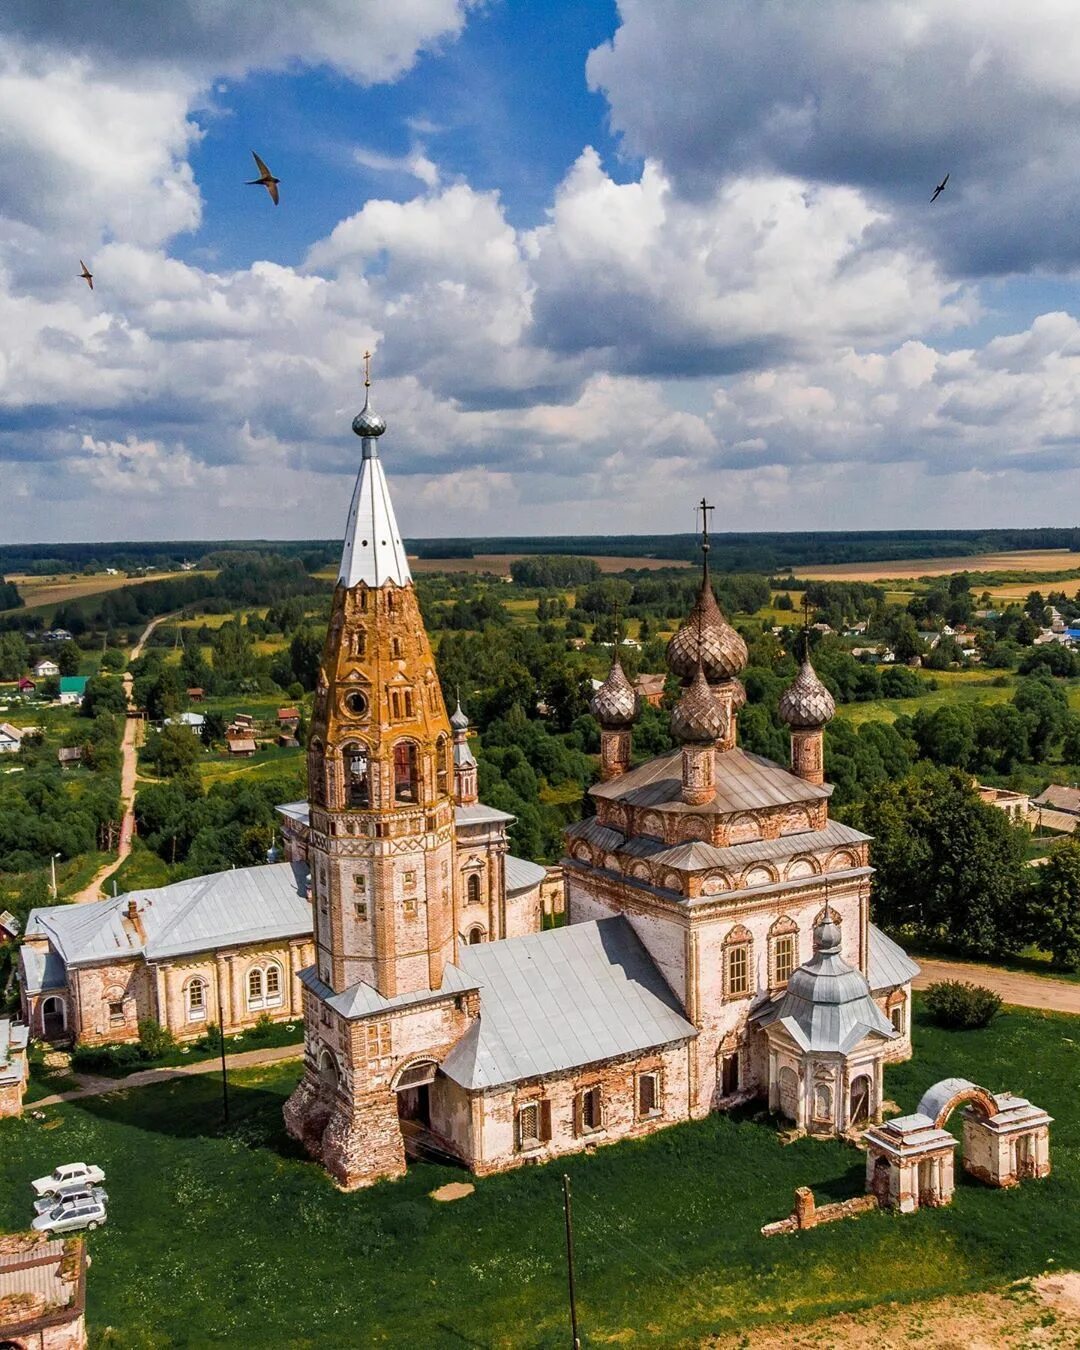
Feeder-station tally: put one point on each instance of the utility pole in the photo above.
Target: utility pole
(568, 1212)
(52, 869)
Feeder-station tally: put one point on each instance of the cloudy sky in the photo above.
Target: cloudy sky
(608, 257)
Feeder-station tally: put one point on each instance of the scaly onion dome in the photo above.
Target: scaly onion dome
(806, 704)
(738, 695)
(458, 720)
(696, 719)
(614, 705)
(706, 636)
(367, 422)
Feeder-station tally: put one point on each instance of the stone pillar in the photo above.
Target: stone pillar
(805, 1208)
(698, 774)
(237, 1004)
(807, 754)
(294, 1002)
(160, 996)
(174, 999)
(614, 753)
(362, 1143)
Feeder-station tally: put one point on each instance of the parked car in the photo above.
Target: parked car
(65, 1218)
(69, 1174)
(72, 1195)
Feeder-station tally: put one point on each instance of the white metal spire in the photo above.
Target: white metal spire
(373, 551)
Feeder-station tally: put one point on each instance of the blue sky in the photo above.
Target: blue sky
(608, 257)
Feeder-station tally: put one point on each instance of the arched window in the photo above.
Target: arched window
(195, 997)
(389, 602)
(442, 767)
(357, 775)
(737, 952)
(395, 649)
(359, 642)
(328, 1070)
(255, 987)
(273, 984)
(476, 935)
(472, 889)
(783, 951)
(406, 778)
(823, 1102)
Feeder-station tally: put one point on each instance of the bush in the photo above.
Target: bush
(212, 1039)
(155, 1039)
(263, 1028)
(957, 1004)
(111, 1060)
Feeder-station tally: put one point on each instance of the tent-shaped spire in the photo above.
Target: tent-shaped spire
(373, 552)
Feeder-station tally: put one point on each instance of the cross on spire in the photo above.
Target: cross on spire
(367, 370)
(704, 507)
(807, 610)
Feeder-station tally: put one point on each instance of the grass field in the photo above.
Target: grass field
(498, 564)
(1036, 560)
(228, 1237)
(954, 686)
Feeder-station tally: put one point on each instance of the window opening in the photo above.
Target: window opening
(405, 775)
(357, 776)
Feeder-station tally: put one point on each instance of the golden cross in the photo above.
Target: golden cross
(367, 370)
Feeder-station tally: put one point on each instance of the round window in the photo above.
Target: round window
(357, 703)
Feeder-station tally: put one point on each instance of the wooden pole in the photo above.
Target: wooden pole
(567, 1211)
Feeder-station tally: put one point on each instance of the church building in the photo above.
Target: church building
(718, 944)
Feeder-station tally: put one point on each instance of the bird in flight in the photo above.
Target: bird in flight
(265, 179)
(937, 191)
(86, 274)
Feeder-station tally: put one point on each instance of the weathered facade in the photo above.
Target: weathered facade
(439, 1020)
(222, 949)
(14, 1069)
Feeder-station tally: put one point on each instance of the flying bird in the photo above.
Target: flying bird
(937, 191)
(265, 179)
(86, 274)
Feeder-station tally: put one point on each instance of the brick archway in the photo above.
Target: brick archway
(940, 1101)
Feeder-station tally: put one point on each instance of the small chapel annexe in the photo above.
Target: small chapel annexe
(718, 944)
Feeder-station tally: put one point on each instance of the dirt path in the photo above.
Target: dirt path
(134, 729)
(1043, 1313)
(1026, 991)
(98, 1087)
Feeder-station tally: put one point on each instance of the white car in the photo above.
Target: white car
(70, 1195)
(86, 1212)
(69, 1174)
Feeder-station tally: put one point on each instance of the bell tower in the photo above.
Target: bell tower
(380, 765)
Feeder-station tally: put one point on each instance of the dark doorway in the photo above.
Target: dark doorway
(415, 1104)
(729, 1075)
(53, 1021)
(860, 1100)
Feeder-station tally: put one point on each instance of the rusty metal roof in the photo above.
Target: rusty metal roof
(744, 782)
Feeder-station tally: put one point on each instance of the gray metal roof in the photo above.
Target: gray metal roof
(479, 814)
(935, 1099)
(247, 904)
(560, 1000)
(744, 782)
(827, 1006)
(13, 1037)
(696, 855)
(298, 811)
(889, 965)
(40, 970)
(361, 1000)
(522, 875)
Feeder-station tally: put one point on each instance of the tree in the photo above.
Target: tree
(305, 653)
(14, 656)
(1054, 905)
(1044, 707)
(1035, 608)
(103, 694)
(234, 658)
(949, 868)
(173, 750)
(68, 658)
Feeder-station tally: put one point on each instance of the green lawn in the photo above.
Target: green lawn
(229, 1237)
(953, 687)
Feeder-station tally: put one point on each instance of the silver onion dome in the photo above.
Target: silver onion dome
(708, 638)
(806, 704)
(614, 705)
(458, 719)
(696, 719)
(367, 422)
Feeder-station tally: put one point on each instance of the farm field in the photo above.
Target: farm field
(499, 564)
(668, 1244)
(1048, 560)
(55, 590)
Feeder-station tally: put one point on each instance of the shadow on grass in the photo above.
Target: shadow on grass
(192, 1108)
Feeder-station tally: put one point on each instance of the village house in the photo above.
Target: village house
(72, 690)
(11, 738)
(193, 721)
(42, 1292)
(650, 689)
(718, 945)
(10, 928)
(1016, 805)
(46, 668)
(69, 756)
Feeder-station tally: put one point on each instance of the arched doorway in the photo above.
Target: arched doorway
(328, 1070)
(475, 935)
(53, 1017)
(789, 1093)
(860, 1100)
(412, 1086)
(880, 1181)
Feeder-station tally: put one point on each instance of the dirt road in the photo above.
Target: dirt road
(134, 730)
(1026, 991)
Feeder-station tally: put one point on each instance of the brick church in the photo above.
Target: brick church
(718, 944)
